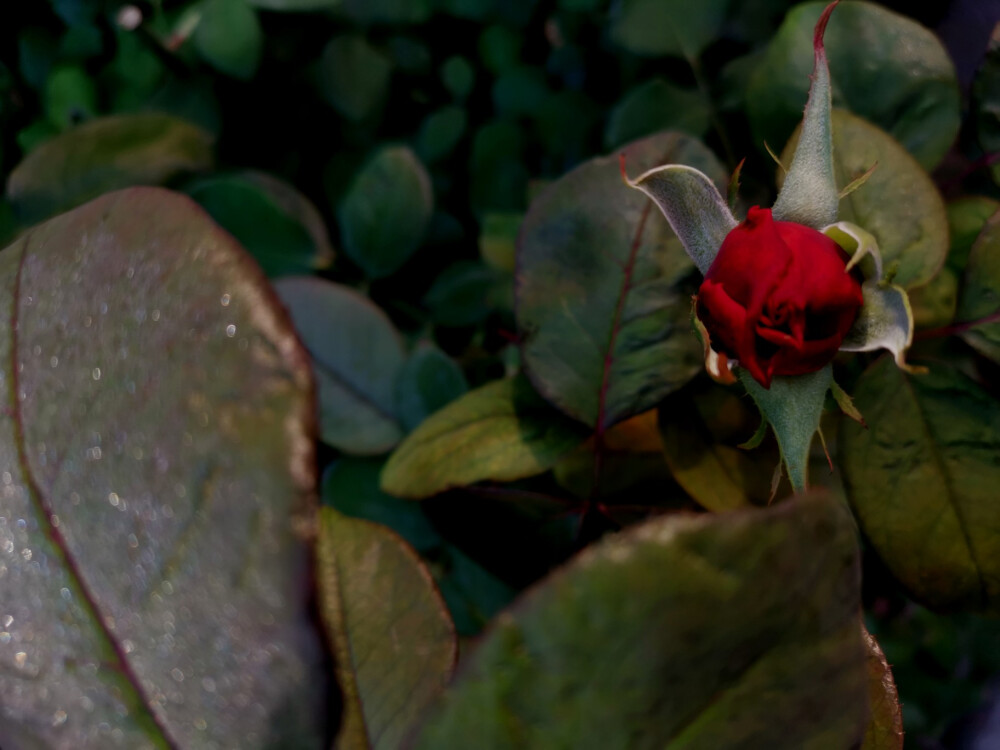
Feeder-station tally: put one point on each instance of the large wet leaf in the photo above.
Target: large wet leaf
(980, 294)
(731, 631)
(603, 290)
(501, 431)
(356, 354)
(885, 719)
(899, 204)
(394, 643)
(104, 155)
(156, 453)
(923, 479)
(885, 67)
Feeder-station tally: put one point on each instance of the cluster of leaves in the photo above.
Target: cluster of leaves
(498, 328)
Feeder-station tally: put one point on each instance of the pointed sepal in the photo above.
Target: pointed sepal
(792, 406)
(809, 195)
(885, 320)
(697, 213)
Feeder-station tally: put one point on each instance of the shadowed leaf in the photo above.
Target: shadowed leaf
(103, 155)
(731, 631)
(885, 721)
(979, 298)
(394, 643)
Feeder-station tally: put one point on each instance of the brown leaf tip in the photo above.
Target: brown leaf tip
(821, 29)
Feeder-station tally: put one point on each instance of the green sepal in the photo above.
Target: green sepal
(809, 195)
(885, 320)
(792, 406)
(697, 213)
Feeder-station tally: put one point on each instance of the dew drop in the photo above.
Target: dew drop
(96, 373)
(230, 330)
(225, 300)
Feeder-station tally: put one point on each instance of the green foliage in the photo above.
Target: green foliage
(507, 411)
(687, 634)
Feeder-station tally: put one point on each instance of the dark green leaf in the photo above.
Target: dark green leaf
(499, 178)
(295, 5)
(104, 155)
(394, 644)
(386, 11)
(384, 216)
(986, 97)
(354, 76)
(734, 631)
(464, 293)
(966, 218)
(458, 76)
(656, 105)
(899, 204)
(502, 431)
(980, 293)
(500, 48)
(276, 223)
(520, 91)
(356, 355)
(474, 595)
(922, 481)
(440, 132)
(886, 68)
(667, 27)
(601, 300)
(229, 37)
(428, 381)
(498, 240)
(158, 454)
(70, 96)
(351, 485)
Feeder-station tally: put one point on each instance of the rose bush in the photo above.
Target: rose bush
(778, 298)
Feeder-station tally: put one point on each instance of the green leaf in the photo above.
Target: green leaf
(351, 486)
(601, 298)
(229, 37)
(809, 195)
(499, 177)
(70, 96)
(500, 48)
(295, 5)
(458, 76)
(385, 214)
(966, 218)
(366, 12)
(354, 76)
(463, 294)
(520, 91)
(667, 27)
(394, 644)
(731, 631)
(899, 203)
(656, 105)
(498, 240)
(922, 481)
(979, 298)
(274, 221)
(158, 458)
(792, 406)
(885, 720)
(428, 381)
(501, 431)
(985, 98)
(356, 355)
(104, 155)
(719, 477)
(440, 132)
(934, 304)
(474, 595)
(886, 68)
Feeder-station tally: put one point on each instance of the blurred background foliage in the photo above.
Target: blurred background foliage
(394, 146)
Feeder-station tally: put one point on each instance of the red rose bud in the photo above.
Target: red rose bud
(777, 298)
